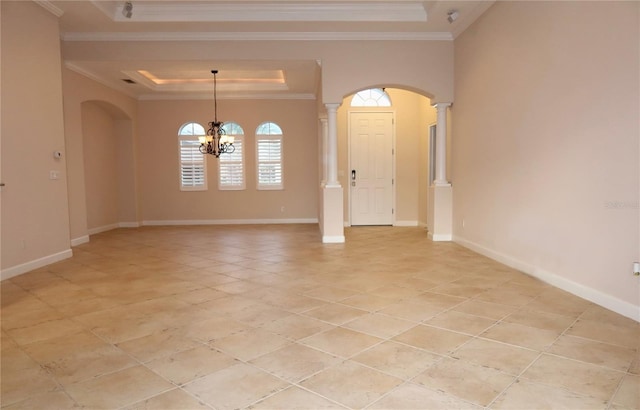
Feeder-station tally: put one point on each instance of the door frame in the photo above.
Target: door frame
(393, 158)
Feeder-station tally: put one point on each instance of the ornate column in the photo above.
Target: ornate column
(332, 206)
(441, 145)
(440, 212)
(324, 136)
(332, 145)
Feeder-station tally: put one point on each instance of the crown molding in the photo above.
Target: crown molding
(47, 5)
(199, 11)
(160, 95)
(76, 68)
(258, 36)
(250, 96)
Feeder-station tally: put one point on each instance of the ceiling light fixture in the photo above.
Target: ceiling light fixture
(452, 16)
(127, 10)
(216, 141)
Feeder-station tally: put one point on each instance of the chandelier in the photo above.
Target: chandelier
(216, 141)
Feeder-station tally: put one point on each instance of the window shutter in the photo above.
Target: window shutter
(192, 165)
(269, 162)
(231, 167)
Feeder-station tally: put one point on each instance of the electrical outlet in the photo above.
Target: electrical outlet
(54, 174)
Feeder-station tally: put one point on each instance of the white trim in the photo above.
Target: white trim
(258, 36)
(47, 5)
(223, 96)
(405, 223)
(35, 264)
(80, 240)
(103, 228)
(80, 70)
(382, 11)
(128, 224)
(333, 239)
(440, 237)
(229, 222)
(593, 295)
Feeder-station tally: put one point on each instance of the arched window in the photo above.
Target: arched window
(231, 166)
(269, 152)
(193, 167)
(373, 97)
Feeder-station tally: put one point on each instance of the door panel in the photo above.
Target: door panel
(372, 160)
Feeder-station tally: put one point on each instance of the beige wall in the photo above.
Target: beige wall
(162, 199)
(100, 170)
(347, 66)
(35, 213)
(545, 145)
(122, 113)
(413, 113)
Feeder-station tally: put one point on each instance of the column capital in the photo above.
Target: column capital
(440, 105)
(332, 106)
(442, 183)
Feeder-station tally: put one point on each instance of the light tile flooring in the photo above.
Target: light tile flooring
(267, 317)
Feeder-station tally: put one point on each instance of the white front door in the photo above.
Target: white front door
(371, 173)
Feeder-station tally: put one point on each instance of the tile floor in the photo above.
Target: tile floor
(266, 317)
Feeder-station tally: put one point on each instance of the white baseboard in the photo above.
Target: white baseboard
(109, 227)
(607, 301)
(440, 237)
(347, 224)
(405, 223)
(229, 222)
(80, 240)
(35, 264)
(101, 229)
(333, 239)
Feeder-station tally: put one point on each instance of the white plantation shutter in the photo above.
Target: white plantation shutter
(269, 162)
(193, 166)
(269, 151)
(231, 167)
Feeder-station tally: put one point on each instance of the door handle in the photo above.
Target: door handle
(353, 174)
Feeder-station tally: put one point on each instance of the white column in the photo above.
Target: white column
(332, 145)
(324, 132)
(332, 205)
(441, 145)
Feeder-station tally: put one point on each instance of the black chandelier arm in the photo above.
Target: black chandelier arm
(214, 145)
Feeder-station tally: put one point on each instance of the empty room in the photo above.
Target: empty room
(279, 204)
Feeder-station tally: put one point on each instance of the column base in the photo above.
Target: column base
(440, 217)
(332, 224)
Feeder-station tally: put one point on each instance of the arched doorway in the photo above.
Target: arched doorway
(410, 114)
(109, 167)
